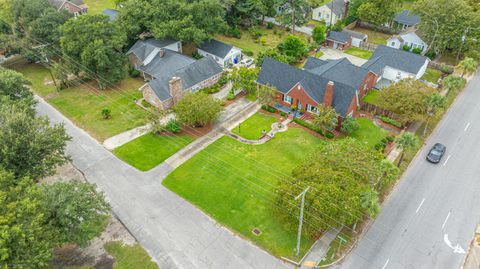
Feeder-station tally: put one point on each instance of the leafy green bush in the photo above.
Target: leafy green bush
(431, 54)
(349, 125)
(447, 69)
(308, 125)
(329, 135)
(263, 40)
(197, 56)
(390, 121)
(269, 25)
(212, 89)
(230, 96)
(132, 72)
(282, 114)
(269, 108)
(223, 80)
(106, 113)
(254, 33)
(406, 47)
(417, 50)
(247, 52)
(173, 126)
(233, 32)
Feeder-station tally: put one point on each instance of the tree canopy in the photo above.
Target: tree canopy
(293, 47)
(326, 119)
(407, 98)
(189, 21)
(339, 175)
(12, 85)
(92, 45)
(197, 109)
(377, 12)
(293, 13)
(244, 79)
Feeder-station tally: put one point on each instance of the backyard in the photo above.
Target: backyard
(244, 178)
(364, 54)
(83, 103)
(371, 97)
(272, 37)
(252, 128)
(98, 6)
(373, 36)
(148, 151)
(432, 75)
(368, 132)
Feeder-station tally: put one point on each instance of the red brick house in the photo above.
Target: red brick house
(335, 83)
(75, 7)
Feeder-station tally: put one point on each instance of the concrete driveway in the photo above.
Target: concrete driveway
(333, 54)
(175, 233)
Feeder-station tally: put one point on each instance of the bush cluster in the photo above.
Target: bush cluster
(269, 108)
(380, 146)
(313, 128)
(233, 32)
(390, 121)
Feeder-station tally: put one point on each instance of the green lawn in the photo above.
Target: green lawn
(98, 6)
(246, 42)
(432, 75)
(318, 54)
(148, 151)
(368, 132)
(82, 104)
(253, 126)
(371, 97)
(364, 54)
(234, 183)
(127, 257)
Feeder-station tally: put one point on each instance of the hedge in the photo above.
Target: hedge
(391, 121)
(313, 128)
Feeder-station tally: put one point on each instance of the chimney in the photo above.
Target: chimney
(161, 52)
(328, 97)
(175, 88)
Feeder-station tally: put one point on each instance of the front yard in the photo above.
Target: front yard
(83, 103)
(235, 184)
(148, 151)
(432, 75)
(364, 54)
(252, 128)
(272, 37)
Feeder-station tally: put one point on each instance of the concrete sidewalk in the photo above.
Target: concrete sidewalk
(319, 249)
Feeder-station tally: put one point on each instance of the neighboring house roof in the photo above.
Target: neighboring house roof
(216, 48)
(143, 48)
(59, 3)
(399, 59)
(337, 7)
(407, 18)
(314, 79)
(111, 13)
(344, 35)
(190, 75)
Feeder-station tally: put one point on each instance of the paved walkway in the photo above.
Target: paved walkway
(223, 93)
(175, 233)
(277, 127)
(329, 53)
(319, 249)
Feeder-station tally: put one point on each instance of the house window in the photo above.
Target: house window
(287, 99)
(393, 43)
(312, 109)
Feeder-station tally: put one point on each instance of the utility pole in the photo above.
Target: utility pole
(297, 250)
(47, 62)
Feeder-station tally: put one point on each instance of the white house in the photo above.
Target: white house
(392, 65)
(331, 12)
(226, 55)
(410, 39)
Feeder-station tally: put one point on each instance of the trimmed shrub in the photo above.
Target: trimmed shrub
(212, 89)
(390, 121)
(106, 113)
(223, 80)
(173, 126)
(307, 125)
(430, 54)
(446, 69)
(283, 114)
(263, 40)
(133, 73)
(329, 135)
(234, 32)
(269, 108)
(417, 50)
(406, 47)
(197, 56)
(269, 25)
(247, 52)
(230, 96)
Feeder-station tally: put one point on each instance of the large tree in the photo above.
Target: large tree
(30, 145)
(445, 23)
(343, 177)
(93, 45)
(197, 109)
(407, 98)
(189, 21)
(293, 47)
(12, 85)
(244, 79)
(293, 13)
(271, 53)
(468, 66)
(326, 120)
(25, 240)
(406, 141)
(74, 209)
(377, 12)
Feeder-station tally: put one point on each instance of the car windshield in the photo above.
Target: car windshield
(436, 153)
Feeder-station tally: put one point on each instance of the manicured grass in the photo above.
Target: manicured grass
(373, 36)
(253, 126)
(127, 257)
(369, 133)
(246, 42)
(371, 97)
(432, 75)
(235, 182)
(148, 151)
(364, 54)
(318, 54)
(98, 6)
(83, 103)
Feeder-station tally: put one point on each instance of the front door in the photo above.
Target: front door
(299, 104)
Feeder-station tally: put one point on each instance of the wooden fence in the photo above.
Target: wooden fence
(368, 46)
(375, 110)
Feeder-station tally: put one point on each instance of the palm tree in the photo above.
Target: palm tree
(327, 118)
(468, 66)
(406, 141)
(434, 102)
(452, 83)
(369, 202)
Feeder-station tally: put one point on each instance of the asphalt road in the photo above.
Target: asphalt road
(430, 218)
(174, 232)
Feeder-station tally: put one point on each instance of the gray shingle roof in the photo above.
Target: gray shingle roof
(59, 3)
(341, 37)
(395, 58)
(407, 18)
(190, 75)
(355, 34)
(216, 48)
(337, 7)
(314, 81)
(142, 48)
(111, 13)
